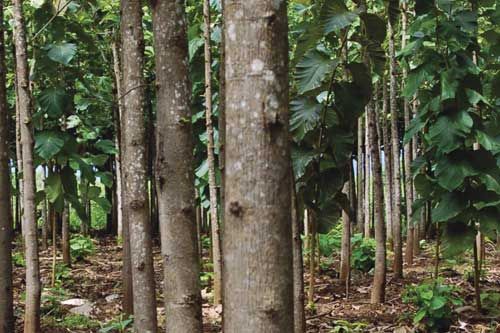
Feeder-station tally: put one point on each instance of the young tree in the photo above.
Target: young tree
(345, 250)
(387, 162)
(135, 167)
(408, 153)
(396, 171)
(378, 291)
(298, 266)
(214, 216)
(6, 299)
(257, 271)
(33, 285)
(174, 169)
(65, 231)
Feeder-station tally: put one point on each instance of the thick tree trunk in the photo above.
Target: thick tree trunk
(396, 171)
(66, 235)
(298, 266)
(360, 162)
(6, 298)
(257, 224)
(216, 246)
(174, 170)
(408, 154)
(378, 291)
(367, 180)
(135, 168)
(33, 285)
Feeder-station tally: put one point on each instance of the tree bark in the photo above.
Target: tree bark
(345, 250)
(33, 285)
(174, 170)
(367, 180)
(216, 249)
(298, 266)
(257, 270)
(45, 215)
(66, 235)
(378, 291)
(396, 172)
(6, 232)
(408, 153)
(135, 167)
(360, 175)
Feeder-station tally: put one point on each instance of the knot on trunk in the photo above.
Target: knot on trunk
(236, 209)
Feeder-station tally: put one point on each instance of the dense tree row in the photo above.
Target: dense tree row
(262, 124)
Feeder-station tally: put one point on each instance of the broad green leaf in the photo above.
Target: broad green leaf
(304, 116)
(449, 84)
(451, 172)
(53, 187)
(447, 132)
(104, 204)
(106, 178)
(53, 101)
(335, 16)
(69, 182)
(93, 192)
(48, 144)
(62, 52)
(376, 28)
(312, 70)
(106, 146)
(301, 158)
(438, 302)
(449, 207)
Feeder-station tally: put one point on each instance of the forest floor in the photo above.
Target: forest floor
(93, 287)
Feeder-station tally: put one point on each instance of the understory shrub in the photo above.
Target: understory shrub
(434, 301)
(363, 253)
(81, 247)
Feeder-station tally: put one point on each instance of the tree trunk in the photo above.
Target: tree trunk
(345, 250)
(378, 291)
(298, 266)
(33, 286)
(312, 258)
(367, 181)
(396, 172)
(408, 153)
(257, 224)
(45, 215)
(216, 249)
(222, 118)
(135, 168)
(66, 235)
(417, 226)
(360, 175)
(6, 233)
(174, 170)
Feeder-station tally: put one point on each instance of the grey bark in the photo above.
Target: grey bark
(367, 180)
(257, 242)
(345, 250)
(6, 232)
(33, 285)
(408, 153)
(387, 162)
(216, 246)
(298, 267)
(66, 236)
(396, 172)
(360, 175)
(135, 168)
(174, 170)
(379, 276)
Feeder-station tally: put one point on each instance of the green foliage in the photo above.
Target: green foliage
(343, 326)
(77, 322)
(118, 325)
(434, 301)
(450, 74)
(18, 259)
(330, 242)
(490, 301)
(81, 247)
(363, 253)
(62, 52)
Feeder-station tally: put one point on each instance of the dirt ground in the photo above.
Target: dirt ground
(97, 280)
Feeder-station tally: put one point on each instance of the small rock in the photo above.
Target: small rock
(74, 302)
(112, 297)
(84, 310)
